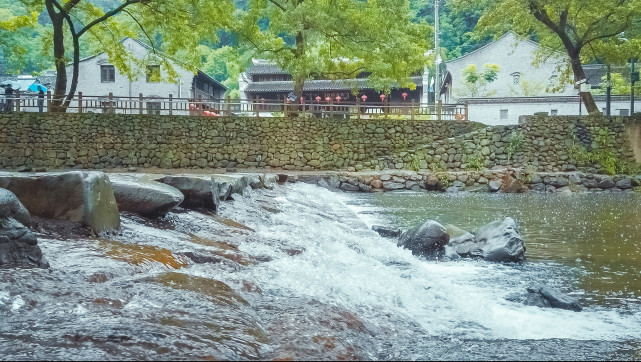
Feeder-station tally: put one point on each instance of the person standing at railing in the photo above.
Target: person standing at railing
(8, 95)
(41, 99)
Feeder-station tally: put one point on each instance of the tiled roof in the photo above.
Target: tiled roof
(261, 67)
(315, 85)
(547, 99)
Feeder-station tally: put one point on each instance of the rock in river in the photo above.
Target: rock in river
(426, 240)
(145, 197)
(546, 297)
(498, 241)
(387, 232)
(76, 196)
(199, 192)
(18, 245)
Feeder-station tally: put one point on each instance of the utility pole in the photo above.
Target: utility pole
(437, 52)
(634, 77)
(608, 91)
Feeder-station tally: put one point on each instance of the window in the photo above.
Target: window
(107, 74)
(554, 112)
(503, 114)
(624, 112)
(516, 78)
(153, 73)
(153, 107)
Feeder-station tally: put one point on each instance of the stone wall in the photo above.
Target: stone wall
(546, 143)
(104, 141)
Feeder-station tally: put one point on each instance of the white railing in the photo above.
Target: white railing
(251, 108)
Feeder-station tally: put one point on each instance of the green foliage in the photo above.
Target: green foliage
(527, 88)
(476, 161)
(436, 167)
(415, 163)
(603, 153)
(514, 143)
(585, 30)
(527, 174)
(336, 39)
(476, 82)
(620, 85)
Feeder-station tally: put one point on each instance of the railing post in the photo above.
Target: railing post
(228, 106)
(139, 103)
(171, 106)
(358, 108)
(111, 104)
(17, 101)
(331, 108)
(412, 111)
(285, 107)
(201, 106)
(386, 106)
(466, 109)
(48, 101)
(439, 108)
(79, 102)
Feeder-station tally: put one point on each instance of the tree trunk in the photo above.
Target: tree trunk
(60, 89)
(76, 69)
(299, 85)
(579, 74)
(299, 53)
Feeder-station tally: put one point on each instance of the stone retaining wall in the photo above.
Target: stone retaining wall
(546, 143)
(103, 141)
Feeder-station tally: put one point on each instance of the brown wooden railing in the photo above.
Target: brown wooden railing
(250, 108)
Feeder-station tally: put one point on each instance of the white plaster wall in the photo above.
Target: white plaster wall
(511, 55)
(490, 114)
(89, 81)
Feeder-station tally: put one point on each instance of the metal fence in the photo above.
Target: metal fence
(251, 108)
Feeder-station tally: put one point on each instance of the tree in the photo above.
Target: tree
(586, 30)
(476, 83)
(337, 39)
(14, 19)
(163, 22)
(619, 85)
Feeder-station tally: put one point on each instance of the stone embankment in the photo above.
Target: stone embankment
(499, 180)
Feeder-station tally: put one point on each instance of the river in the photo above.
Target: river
(297, 273)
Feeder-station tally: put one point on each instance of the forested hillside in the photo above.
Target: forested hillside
(28, 49)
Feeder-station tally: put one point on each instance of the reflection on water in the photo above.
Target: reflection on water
(296, 273)
(597, 236)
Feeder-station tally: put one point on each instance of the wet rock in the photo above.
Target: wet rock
(145, 197)
(77, 196)
(501, 241)
(466, 246)
(510, 184)
(18, 245)
(230, 185)
(624, 184)
(349, 187)
(539, 187)
(426, 240)
(495, 185)
(198, 192)
(10, 206)
(546, 297)
(559, 181)
(456, 187)
(387, 232)
(606, 183)
(391, 185)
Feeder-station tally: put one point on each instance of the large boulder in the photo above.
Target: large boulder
(387, 232)
(546, 297)
(497, 241)
(77, 196)
(145, 197)
(10, 206)
(426, 240)
(199, 192)
(18, 245)
(229, 185)
(501, 241)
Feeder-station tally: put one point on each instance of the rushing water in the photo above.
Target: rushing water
(297, 273)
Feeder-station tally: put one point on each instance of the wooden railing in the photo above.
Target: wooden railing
(250, 108)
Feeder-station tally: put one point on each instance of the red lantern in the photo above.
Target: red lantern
(364, 97)
(404, 95)
(382, 97)
(318, 98)
(328, 99)
(338, 98)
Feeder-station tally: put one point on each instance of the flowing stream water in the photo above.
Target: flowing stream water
(297, 273)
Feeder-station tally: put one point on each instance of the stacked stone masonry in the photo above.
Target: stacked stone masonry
(105, 141)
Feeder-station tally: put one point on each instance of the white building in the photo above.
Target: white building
(98, 77)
